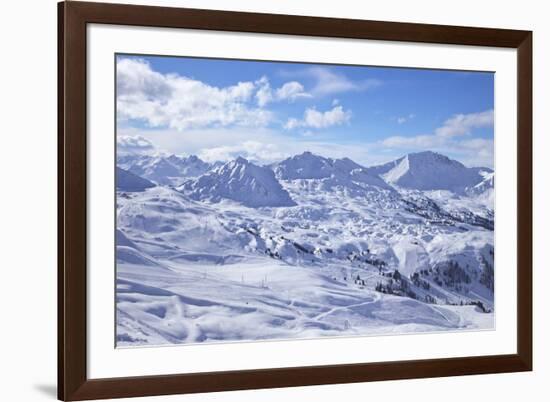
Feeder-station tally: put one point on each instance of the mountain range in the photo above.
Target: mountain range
(256, 186)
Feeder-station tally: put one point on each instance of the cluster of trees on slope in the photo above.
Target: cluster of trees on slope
(449, 275)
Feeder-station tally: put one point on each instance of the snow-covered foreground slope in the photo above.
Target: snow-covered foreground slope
(266, 299)
(223, 258)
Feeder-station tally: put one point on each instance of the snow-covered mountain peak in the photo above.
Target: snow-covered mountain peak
(242, 181)
(427, 155)
(334, 173)
(193, 159)
(163, 169)
(304, 166)
(429, 170)
(240, 161)
(432, 158)
(237, 168)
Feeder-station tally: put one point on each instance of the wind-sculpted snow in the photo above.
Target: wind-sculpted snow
(308, 247)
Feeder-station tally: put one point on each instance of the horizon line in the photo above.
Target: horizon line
(255, 162)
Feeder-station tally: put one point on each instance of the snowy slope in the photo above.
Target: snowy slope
(265, 300)
(241, 181)
(127, 181)
(487, 184)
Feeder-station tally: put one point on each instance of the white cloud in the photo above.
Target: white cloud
(461, 124)
(316, 119)
(254, 151)
(416, 142)
(134, 144)
(262, 145)
(293, 123)
(264, 95)
(275, 149)
(192, 141)
(175, 101)
(265, 146)
(478, 152)
(136, 76)
(289, 91)
(329, 82)
(404, 119)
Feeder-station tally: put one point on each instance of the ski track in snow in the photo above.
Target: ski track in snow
(335, 309)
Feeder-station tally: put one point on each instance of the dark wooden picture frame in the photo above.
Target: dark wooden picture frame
(73, 17)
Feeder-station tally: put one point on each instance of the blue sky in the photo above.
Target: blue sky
(266, 111)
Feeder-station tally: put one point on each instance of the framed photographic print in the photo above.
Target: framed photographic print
(253, 200)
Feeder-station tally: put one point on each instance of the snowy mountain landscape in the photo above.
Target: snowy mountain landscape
(261, 200)
(305, 247)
